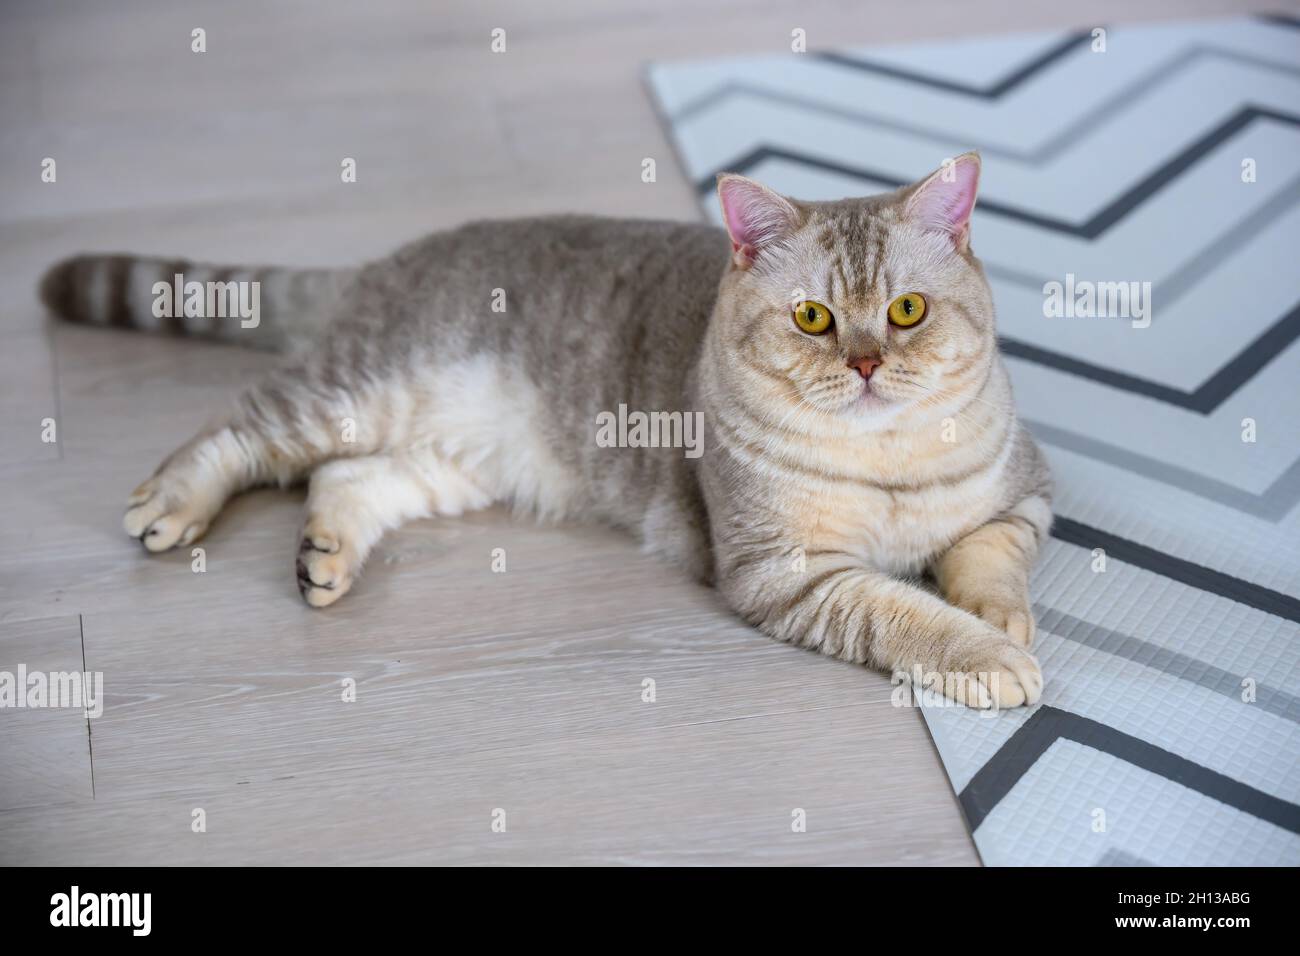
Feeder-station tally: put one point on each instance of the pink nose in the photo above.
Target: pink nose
(865, 365)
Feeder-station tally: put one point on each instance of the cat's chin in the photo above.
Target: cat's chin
(872, 410)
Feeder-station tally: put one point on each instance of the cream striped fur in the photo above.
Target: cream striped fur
(889, 520)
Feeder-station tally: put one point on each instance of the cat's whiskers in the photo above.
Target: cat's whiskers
(939, 394)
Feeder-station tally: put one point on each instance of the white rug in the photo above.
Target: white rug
(1168, 731)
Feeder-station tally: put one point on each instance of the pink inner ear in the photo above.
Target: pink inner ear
(947, 205)
(754, 216)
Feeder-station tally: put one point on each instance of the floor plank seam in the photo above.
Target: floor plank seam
(90, 744)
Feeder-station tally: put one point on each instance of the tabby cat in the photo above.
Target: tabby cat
(864, 486)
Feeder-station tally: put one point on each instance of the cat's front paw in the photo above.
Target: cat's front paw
(1003, 604)
(1011, 613)
(162, 514)
(994, 673)
(326, 566)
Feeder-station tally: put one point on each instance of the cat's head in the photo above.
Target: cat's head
(863, 308)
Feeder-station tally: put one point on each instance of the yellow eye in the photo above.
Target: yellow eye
(907, 309)
(813, 317)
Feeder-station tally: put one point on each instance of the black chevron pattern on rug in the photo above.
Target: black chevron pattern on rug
(1095, 226)
(1176, 569)
(993, 781)
(1207, 397)
(1281, 20)
(994, 92)
(1160, 76)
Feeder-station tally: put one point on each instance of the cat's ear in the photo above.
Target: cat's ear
(755, 217)
(944, 200)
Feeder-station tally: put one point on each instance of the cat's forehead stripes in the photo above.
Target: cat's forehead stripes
(835, 281)
(881, 279)
(856, 238)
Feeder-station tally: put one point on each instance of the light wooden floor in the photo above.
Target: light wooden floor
(476, 690)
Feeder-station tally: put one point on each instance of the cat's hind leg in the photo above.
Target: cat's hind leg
(275, 434)
(352, 502)
(175, 506)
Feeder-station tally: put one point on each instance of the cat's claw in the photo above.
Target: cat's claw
(1013, 616)
(324, 568)
(1000, 674)
(158, 521)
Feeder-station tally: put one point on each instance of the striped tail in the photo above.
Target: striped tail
(266, 308)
